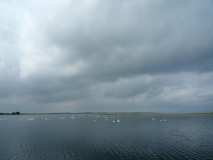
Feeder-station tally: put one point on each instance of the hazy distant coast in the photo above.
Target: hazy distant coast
(107, 113)
(13, 113)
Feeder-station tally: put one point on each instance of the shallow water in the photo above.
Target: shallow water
(128, 137)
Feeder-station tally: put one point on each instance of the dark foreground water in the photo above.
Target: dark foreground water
(94, 138)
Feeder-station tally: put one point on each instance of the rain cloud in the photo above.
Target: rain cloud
(106, 56)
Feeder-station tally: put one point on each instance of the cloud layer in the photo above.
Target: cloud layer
(77, 56)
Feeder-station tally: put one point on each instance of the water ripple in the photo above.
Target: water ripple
(135, 137)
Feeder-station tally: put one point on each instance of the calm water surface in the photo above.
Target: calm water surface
(64, 137)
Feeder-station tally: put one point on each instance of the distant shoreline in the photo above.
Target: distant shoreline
(108, 113)
(13, 113)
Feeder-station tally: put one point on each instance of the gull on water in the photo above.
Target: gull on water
(31, 119)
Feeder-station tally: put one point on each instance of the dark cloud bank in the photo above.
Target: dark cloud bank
(146, 56)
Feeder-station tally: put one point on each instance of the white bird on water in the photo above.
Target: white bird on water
(94, 120)
(153, 119)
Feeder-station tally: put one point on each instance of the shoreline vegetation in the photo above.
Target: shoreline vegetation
(13, 113)
(107, 113)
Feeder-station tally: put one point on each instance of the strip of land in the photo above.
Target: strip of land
(107, 113)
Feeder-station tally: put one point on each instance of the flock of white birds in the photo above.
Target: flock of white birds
(110, 119)
(94, 118)
(160, 119)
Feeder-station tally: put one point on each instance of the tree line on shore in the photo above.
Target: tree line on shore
(13, 113)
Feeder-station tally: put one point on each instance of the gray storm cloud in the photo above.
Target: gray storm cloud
(106, 56)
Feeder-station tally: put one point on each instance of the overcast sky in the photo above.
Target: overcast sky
(106, 56)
